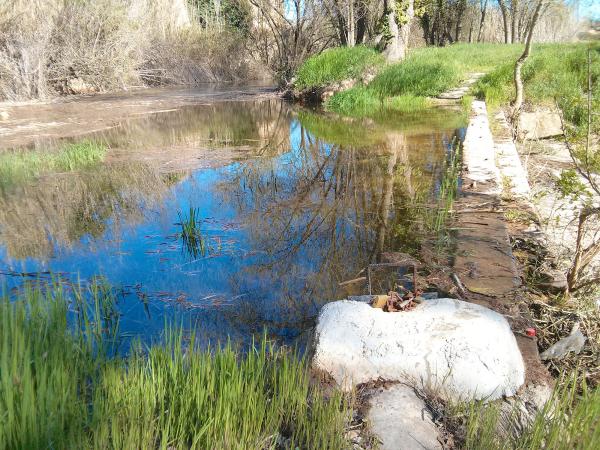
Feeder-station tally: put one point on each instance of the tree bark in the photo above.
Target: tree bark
(482, 21)
(471, 32)
(361, 21)
(504, 11)
(351, 24)
(396, 48)
(462, 5)
(518, 103)
(514, 12)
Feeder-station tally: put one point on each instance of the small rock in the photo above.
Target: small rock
(401, 420)
(3, 115)
(574, 342)
(554, 281)
(540, 124)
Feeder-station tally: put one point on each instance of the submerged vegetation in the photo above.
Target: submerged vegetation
(22, 165)
(447, 192)
(61, 386)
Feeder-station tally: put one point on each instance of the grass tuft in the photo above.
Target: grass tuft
(568, 421)
(194, 242)
(336, 64)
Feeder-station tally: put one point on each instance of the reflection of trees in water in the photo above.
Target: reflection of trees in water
(59, 210)
(323, 211)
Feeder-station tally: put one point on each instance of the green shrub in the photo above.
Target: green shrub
(336, 64)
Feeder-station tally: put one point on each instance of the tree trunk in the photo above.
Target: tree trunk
(462, 4)
(396, 48)
(482, 21)
(504, 11)
(426, 25)
(514, 12)
(471, 32)
(518, 103)
(361, 22)
(341, 24)
(351, 24)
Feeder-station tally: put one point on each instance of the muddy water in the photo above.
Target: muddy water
(290, 204)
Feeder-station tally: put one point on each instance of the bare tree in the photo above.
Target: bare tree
(290, 36)
(587, 167)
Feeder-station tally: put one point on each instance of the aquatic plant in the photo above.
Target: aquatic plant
(19, 166)
(57, 390)
(191, 235)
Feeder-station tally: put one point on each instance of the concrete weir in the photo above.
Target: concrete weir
(473, 348)
(484, 262)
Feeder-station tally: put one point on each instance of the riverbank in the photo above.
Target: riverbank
(25, 123)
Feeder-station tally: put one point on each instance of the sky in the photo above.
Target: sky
(590, 8)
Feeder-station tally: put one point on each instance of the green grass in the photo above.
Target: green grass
(360, 101)
(60, 387)
(426, 72)
(336, 64)
(22, 165)
(554, 73)
(571, 420)
(416, 76)
(470, 58)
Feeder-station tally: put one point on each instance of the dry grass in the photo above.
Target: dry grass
(556, 322)
(82, 46)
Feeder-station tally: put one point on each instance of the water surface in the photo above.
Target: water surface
(293, 203)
